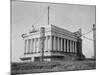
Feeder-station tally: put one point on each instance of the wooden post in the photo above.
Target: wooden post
(42, 38)
(94, 40)
(48, 14)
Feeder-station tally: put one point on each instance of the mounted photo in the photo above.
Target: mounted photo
(52, 37)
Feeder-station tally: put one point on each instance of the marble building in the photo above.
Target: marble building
(58, 44)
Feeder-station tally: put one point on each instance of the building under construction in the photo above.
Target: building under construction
(48, 43)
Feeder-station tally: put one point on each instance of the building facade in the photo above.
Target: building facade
(55, 44)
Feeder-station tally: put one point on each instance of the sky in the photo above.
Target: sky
(68, 16)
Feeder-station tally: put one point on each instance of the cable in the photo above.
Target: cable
(35, 22)
(88, 38)
(39, 18)
(87, 32)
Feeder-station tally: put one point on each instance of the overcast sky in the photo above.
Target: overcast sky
(67, 16)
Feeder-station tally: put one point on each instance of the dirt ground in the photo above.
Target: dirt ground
(38, 67)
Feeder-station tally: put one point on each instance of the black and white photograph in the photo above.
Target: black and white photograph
(52, 37)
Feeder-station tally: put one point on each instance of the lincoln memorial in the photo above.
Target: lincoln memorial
(52, 43)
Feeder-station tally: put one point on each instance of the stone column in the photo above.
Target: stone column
(32, 45)
(46, 43)
(58, 44)
(70, 46)
(38, 45)
(64, 45)
(61, 44)
(54, 43)
(28, 45)
(67, 45)
(75, 47)
(25, 46)
(51, 43)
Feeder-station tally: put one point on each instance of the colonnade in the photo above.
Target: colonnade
(63, 44)
(51, 43)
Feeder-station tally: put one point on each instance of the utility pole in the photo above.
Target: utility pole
(42, 38)
(94, 40)
(48, 14)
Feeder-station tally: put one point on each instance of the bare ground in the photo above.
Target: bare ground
(39, 67)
